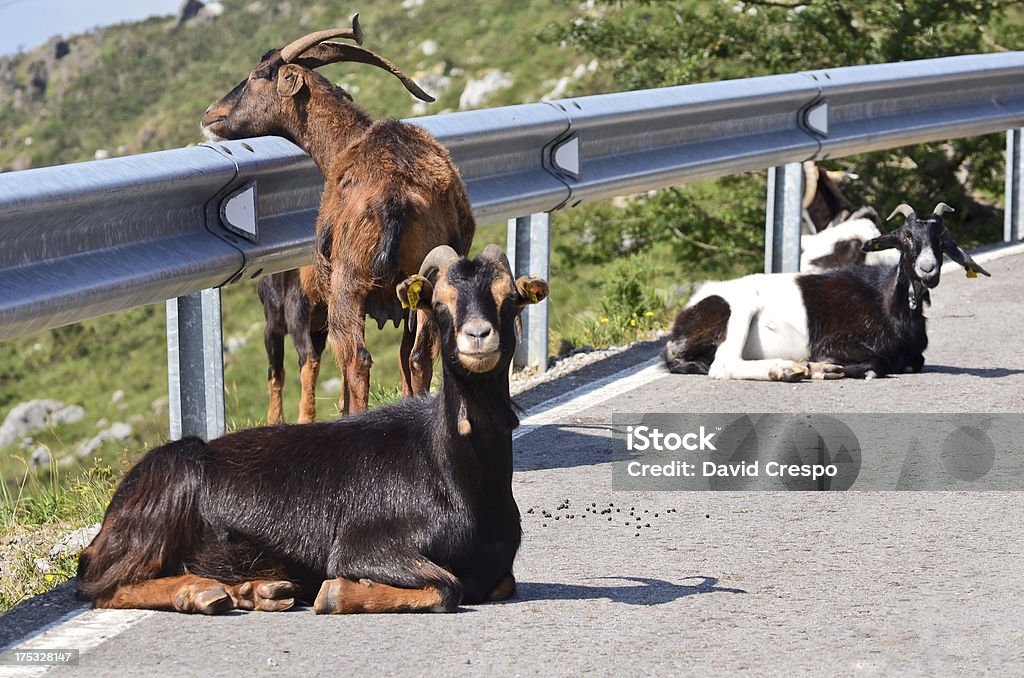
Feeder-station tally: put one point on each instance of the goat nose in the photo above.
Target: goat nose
(926, 266)
(479, 330)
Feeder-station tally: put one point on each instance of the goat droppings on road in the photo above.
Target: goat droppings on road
(635, 521)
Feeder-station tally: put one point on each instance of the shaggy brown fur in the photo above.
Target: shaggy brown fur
(391, 195)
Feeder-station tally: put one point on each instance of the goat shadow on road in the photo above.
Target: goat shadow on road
(646, 591)
(563, 446)
(983, 372)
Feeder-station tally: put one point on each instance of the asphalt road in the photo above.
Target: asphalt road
(767, 583)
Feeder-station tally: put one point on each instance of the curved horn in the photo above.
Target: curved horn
(903, 208)
(333, 52)
(942, 207)
(495, 253)
(436, 258)
(294, 49)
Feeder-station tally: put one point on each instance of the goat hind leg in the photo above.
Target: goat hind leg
(408, 339)
(424, 351)
(423, 587)
(274, 342)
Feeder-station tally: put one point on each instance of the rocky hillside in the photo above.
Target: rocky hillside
(140, 87)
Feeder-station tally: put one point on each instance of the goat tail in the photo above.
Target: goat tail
(152, 524)
(392, 212)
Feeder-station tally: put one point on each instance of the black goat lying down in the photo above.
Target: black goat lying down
(406, 507)
(863, 321)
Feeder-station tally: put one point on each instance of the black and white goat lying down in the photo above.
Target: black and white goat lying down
(862, 321)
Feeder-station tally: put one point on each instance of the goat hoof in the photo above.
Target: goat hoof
(203, 598)
(328, 600)
(826, 371)
(265, 596)
(791, 372)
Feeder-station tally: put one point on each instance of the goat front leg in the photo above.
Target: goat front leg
(824, 370)
(192, 593)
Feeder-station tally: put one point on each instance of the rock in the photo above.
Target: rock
(429, 47)
(38, 78)
(189, 10)
(42, 565)
(41, 458)
(117, 396)
(101, 154)
(194, 10)
(234, 344)
(61, 48)
(331, 386)
(434, 82)
(118, 431)
(74, 542)
(212, 10)
(478, 91)
(35, 415)
(161, 404)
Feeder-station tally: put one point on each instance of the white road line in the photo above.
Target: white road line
(998, 252)
(83, 631)
(589, 395)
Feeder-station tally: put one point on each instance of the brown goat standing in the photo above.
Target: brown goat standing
(391, 195)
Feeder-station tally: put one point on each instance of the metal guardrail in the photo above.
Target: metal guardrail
(79, 241)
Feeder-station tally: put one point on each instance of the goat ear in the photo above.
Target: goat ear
(415, 292)
(531, 290)
(290, 80)
(883, 242)
(957, 254)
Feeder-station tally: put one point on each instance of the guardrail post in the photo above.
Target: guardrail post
(783, 220)
(1013, 219)
(529, 240)
(195, 365)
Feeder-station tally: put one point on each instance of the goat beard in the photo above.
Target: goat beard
(918, 294)
(210, 136)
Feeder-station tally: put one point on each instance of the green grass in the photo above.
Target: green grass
(34, 515)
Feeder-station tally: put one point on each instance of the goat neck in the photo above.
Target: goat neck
(908, 293)
(482, 400)
(327, 124)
